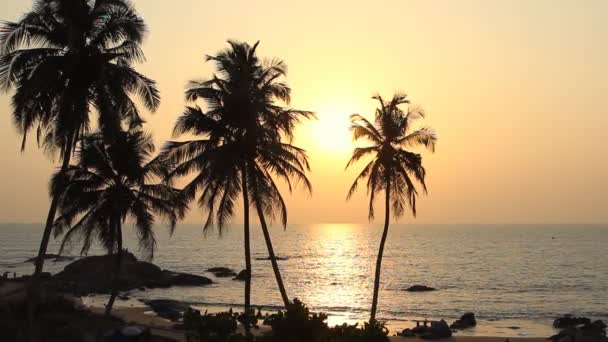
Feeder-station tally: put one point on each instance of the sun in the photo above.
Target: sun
(330, 133)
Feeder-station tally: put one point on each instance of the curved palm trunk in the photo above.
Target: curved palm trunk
(50, 219)
(247, 243)
(34, 287)
(273, 259)
(117, 267)
(380, 253)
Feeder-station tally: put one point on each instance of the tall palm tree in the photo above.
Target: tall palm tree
(240, 147)
(68, 58)
(113, 182)
(392, 168)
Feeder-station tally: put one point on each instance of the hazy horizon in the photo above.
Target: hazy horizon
(515, 89)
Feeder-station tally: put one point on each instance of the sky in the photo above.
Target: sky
(517, 91)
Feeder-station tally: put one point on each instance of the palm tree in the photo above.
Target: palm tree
(113, 182)
(65, 59)
(392, 168)
(241, 145)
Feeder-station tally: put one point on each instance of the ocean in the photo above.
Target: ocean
(515, 278)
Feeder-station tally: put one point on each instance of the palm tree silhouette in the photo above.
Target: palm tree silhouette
(64, 59)
(113, 182)
(241, 148)
(392, 168)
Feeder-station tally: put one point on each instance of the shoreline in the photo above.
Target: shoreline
(498, 328)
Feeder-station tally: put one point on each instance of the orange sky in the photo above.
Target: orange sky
(516, 90)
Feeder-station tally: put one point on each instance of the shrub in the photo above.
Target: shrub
(220, 327)
(371, 332)
(297, 324)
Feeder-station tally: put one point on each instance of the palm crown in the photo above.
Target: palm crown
(242, 125)
(66, 55)
(112, 183)
(392, 132)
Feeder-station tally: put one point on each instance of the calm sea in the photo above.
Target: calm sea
(516, 278)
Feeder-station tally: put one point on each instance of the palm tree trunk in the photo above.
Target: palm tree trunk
(34, 287)
(50, 219)
(273, 259)
(247, 243)
(380, 253)
(118, 266)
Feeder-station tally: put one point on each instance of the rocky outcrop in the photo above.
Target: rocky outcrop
(466, 321)
(278, 258)
(242, 276)
(436, 330)
(420, 288)
(166, 308)
(54, 257)
(221, 272)
(589, 332)
(94, 275)
(570, 321)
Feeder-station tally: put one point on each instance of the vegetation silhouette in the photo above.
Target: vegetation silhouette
(239, 147)
(110, 183)
(65, 58)
(392, 168)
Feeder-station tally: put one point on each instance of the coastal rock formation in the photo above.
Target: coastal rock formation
(589, 332)
(436, 330)
(466, 321)
(54, 257)
(93, 275)
(242, 276)
(570, 321)
(221, 272)
(420, 288)
(278, 258)
(169, 309)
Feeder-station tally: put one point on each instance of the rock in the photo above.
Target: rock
(420, 288)
(570, 321)
(55, 257)
(278, 258)
(185, 279)
(166, 308)
(242, 276)
(466, 321)
(221, 272)
(406, 333)
(588, 332)
(93, 275)
(437, 330)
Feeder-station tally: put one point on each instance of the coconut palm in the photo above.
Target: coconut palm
(110, 183)
(239, 147)
(65, 59)
(392, 168)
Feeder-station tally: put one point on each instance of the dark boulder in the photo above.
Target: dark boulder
(93, 275)
(466, 321)
(591, 332)
(406, 333)
(185, 279)
(437, 330)
(570, 321)
(278, 258)
(166, 308)
(420, 288)
(54, 257)
(242, 276)
(221, 272)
